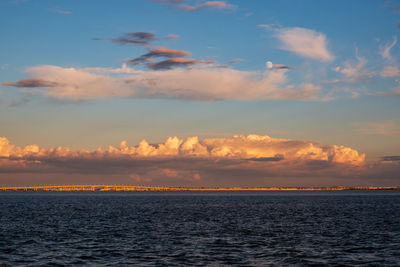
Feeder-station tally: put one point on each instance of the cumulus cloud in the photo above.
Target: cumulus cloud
(239, 147)
(199, 84)
(251, 160)
(305, 42)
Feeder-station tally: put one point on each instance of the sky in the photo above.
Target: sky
(200, 93)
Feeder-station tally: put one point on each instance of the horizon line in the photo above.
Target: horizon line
(102, 187)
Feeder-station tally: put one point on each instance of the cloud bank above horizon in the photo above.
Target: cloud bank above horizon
(246, 160)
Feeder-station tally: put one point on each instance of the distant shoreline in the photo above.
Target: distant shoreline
(127, 188)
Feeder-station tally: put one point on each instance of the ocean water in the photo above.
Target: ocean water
(197, 229)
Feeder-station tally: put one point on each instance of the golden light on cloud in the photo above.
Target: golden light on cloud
(250, 147)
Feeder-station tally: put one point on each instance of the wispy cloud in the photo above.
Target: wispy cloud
(208, 4)
(159, 52)
(385, 50)
(60, 11)
(390, 71)
(384, 128)
(172, 36)
(354, 70)
(305, 42)
(186, 5)
(137, 38)
(236, 60)
(176, 62)
(32, 83)
(393, 92)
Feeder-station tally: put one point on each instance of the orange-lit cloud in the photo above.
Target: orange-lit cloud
(240, 160)
(238, 147)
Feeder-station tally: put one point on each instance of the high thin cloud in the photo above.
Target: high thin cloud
(385, 50)
(393, 92)
(390, 71)
(384, 128)
(172, 36)
(138, 38)
(236, 60)
(30, 83)
(185, 6)
(176, 62)
(305, 42)
(354, 70)
(208, 4)
(159, 52)
(198, 84)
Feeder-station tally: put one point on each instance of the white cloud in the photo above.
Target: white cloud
(188, 84)
(305, 42)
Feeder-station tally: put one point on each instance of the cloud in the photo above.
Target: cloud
(198, 84)
(208, 4)
(354, 70)
(385, 50)
(32, 83)
(391, 158)
(159, 52)
(384, 128)
(394, 92)
(176, 62)
(271, 26)
(390, 71)
(269, 65)
(172, 36)
(236, 60)
(305, 42)
(241, 147)
(60, 11)
(139, 38)
(238, 147)
(241, 160)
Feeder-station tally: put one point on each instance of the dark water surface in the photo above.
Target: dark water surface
(188, 228)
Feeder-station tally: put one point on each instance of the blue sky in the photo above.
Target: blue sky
(333, 75)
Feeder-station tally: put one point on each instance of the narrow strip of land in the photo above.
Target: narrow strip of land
(162, 188)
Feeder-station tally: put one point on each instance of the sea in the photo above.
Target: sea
(300, 228)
